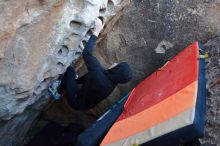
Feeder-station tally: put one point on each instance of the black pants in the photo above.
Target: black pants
(55, 135)
(69, 84)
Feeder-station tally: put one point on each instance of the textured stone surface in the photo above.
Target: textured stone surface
(212, 133)
(147, 25)
(38, 40)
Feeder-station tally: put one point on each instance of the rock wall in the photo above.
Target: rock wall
(151, 32)
(38, 40)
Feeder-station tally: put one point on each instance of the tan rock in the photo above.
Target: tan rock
(39, 39)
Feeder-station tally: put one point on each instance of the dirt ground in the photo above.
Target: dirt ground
(212, 132)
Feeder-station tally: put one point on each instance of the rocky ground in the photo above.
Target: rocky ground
(212, 132)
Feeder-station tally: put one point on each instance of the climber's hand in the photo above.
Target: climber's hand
(98, 26)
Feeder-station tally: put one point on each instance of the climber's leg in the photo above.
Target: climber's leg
(69, 84)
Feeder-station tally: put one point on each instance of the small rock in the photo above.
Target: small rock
(163, 47)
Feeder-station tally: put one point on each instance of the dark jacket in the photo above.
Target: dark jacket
(98, 83)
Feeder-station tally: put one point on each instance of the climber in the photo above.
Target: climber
(97, 84)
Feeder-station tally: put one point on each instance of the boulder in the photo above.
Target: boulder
(39, 39)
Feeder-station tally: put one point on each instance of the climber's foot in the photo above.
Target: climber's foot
(53, 90)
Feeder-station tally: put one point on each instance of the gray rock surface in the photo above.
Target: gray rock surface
(38, 40)
(148, 26)
(212, 132)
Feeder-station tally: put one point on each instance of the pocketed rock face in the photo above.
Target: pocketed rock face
(38, 40)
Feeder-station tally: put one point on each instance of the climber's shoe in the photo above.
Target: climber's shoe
(53, 90)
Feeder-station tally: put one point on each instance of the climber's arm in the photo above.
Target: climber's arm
(91, 62)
